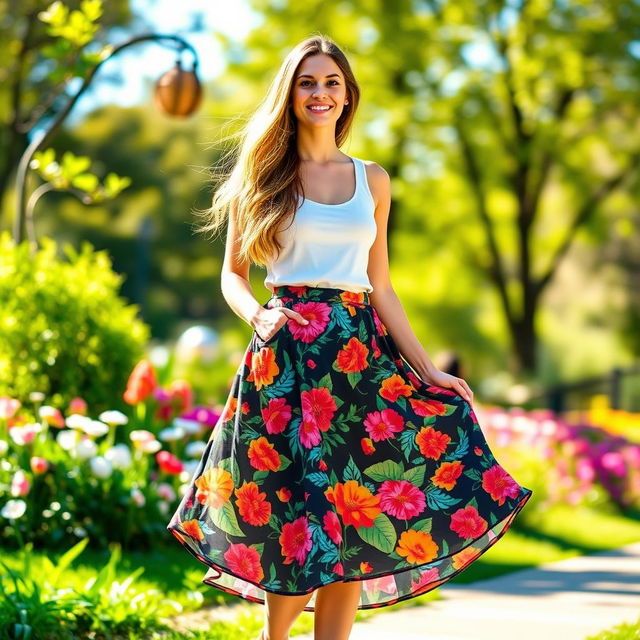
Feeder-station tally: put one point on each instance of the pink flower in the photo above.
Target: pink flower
(318, 315)
(20, 484)
(401, 499)
(381, 425)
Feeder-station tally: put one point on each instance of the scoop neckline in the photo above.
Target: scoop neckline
(340, 204)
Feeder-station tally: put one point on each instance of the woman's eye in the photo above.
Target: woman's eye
(305, 81)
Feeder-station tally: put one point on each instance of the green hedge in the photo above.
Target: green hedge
(64, 329)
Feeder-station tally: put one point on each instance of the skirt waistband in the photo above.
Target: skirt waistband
(287, 292)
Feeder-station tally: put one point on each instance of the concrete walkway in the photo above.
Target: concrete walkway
(566, 600)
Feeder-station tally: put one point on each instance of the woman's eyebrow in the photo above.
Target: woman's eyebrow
(330, 75)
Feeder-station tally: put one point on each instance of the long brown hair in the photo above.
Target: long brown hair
(261, 188)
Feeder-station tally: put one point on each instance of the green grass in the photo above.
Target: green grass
(538, 537)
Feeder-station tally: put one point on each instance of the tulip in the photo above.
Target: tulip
(141, 383)
(14, 509)
(77, 405)
(20, 484)
(168, 462)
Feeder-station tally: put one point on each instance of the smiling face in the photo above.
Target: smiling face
(319, 83)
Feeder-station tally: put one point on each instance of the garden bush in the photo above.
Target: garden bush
(64, 329)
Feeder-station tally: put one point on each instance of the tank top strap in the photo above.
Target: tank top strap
(363, 192)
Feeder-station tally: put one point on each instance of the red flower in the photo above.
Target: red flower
(141, 383)
(468, 523)
(276, 415)
(295, 540)
(168, 462)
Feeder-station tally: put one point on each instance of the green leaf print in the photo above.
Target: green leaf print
(438, 499)
(352, 472)
(387, 470)
(382, 535)
(225, 518)
(415, 475)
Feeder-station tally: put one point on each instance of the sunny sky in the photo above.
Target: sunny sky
(149, 60)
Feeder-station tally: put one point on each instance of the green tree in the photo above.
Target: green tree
(505, 126)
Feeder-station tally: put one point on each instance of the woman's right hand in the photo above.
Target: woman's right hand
(269, 321)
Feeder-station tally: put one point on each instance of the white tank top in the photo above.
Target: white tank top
(327, 245)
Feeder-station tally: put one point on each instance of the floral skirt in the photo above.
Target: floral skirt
(333, 462)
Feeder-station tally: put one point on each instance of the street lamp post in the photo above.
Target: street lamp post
(178, 93)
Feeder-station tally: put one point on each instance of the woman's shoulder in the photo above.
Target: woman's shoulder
(378, 179)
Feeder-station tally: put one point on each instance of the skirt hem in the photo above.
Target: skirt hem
(527, 493)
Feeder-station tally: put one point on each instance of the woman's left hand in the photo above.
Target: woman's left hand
(446, 380)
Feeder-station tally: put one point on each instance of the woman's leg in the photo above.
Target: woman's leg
(335, 610)
(280, 612)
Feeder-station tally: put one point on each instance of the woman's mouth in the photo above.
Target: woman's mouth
(320, 108)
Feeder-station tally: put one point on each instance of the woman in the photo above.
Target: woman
(347, 471)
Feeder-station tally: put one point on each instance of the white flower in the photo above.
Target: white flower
(77, 421)
(101, 467)
(95, 428)
(86, 448)
(138, 497)
(166, 492)
(26, 433)
(172, 434)
(14, 509)
(195, 449)
(67, 439)
(190, 426)
(113, 418)
(36, 396)
(163, 507)
(119, 455)
(4, 447)
(150, 446)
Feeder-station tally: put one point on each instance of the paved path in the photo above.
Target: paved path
(565, 600)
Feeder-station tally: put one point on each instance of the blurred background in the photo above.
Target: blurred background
(511, 133)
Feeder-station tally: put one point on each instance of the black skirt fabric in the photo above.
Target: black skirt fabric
(333, 461)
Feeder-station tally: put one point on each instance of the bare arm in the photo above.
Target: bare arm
(238, 293)
(234, 279)
(386, 301)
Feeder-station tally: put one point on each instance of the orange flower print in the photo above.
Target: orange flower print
(464, 557)
(355, 504)
(230, 409)
(432, 443)
(468, 523)
(447, 474)
(349, 298)
(295, 540)
(284, 494)
(214, 487)
(428, 407)
(499, 484)
(365, 567)
(276, 415)
(352, 357)
(263, 367)
(382, 425)
(393, 387)
(367, 446)
(417, 547)
(252, 504)
(263, 456)
(244, 561)
(192, 528)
